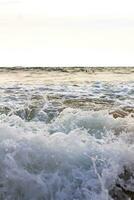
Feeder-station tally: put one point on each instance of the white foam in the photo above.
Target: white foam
(77, 156)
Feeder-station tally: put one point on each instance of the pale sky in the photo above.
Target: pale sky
(66, 32)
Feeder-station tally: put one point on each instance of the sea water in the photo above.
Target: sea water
(59, 142)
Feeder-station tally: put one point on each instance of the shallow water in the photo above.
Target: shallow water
(59, 142)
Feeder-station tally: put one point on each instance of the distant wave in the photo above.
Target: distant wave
(72, 69)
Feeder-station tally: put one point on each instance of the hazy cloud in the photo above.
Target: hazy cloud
(99, 31)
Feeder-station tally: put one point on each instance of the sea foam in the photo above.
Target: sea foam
(60, 142)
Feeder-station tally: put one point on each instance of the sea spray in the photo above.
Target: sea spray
(64, 152)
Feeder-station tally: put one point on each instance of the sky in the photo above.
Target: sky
(66, 33)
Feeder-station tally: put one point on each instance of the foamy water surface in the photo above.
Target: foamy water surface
(59, 142)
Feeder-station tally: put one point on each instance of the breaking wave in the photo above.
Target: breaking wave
(49, 151)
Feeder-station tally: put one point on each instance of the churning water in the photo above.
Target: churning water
(59, 142)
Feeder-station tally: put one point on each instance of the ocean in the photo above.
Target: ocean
(67, 133)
